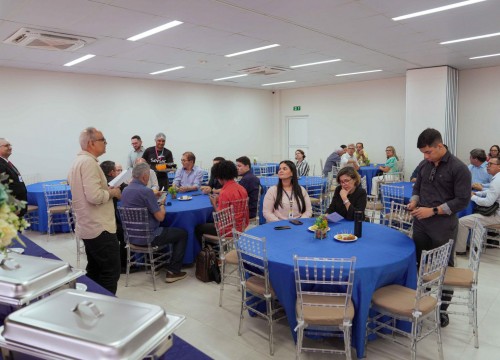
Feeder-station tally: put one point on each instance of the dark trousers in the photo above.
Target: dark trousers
(103, 260)
(208, 228)
(178, 238)
(162, 182)
(431, 233)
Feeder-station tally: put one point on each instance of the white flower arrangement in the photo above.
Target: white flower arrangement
(10, 223)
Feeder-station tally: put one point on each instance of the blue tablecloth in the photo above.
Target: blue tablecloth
(267, 181)
(256, 172)
(384, 256)
(36, 197)
(369, 172)
(408, 189)
(186, 215)
(179, 350)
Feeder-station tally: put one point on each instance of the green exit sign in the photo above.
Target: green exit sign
(296, 108)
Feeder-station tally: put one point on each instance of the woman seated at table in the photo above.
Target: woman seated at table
(301, 164)
(287, 200)
(494, 152)
(390, 166)
(349, 196)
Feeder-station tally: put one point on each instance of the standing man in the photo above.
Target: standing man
(14, 181)
(136, 152)
(482, 198)
(333, 159)
(138, 195)
(442, 190)
(93, 205)
(159, 159)
(250, 182)
(189, 177)
(349, 159)
(481, 177)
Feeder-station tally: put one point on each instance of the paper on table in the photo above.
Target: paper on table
(120, 179)
(334, 217)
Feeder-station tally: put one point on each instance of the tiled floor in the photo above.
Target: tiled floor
(213, 329)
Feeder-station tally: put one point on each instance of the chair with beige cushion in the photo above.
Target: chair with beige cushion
(390, 193)
(493, 236)
(80, 246)
(463, 281)
(324, 306)
(318, 192)
(257, 294)
(256, 220)
(58, 209)
(373, 209)
(400, 218)
(420, 307)
(225, 222)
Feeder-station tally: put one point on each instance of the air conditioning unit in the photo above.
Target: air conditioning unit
(47, 40)
(265, 70)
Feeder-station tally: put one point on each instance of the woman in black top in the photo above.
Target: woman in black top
(349, 195)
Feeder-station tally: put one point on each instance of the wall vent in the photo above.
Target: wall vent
(47, 40)
(265, 70)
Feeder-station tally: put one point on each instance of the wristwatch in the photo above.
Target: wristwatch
(435, 210)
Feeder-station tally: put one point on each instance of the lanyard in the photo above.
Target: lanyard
(157, 156)
(290, 199)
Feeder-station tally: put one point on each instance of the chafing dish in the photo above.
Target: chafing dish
(80, 325)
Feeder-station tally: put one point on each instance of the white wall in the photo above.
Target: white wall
(478, 110)
(42, 114)
(372, 112)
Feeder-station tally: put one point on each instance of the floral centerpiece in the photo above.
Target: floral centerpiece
(10, 223)
(172, 190)
(320, 227)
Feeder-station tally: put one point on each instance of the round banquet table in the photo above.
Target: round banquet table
(186, 215)
(36, 197)
(384, 256)
(275, 165)
(369, 172)
(267, 181)
(408, 189)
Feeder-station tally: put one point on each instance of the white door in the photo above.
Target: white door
(298, 135)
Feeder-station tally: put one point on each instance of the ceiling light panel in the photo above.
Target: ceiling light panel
(155, 30)
(315, 63)
(252, 50)
(166, 70)
(79, 60)
(279, 83)
(359, 73)
(470, 38)
(437, 9)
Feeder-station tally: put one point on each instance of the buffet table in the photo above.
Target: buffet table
(384, 256)
(37, 197)
(186, 215)
(180, 348)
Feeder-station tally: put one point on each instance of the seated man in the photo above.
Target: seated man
(250, 182)
(231, 191)
(348, 159)
(480, 177)
(189, 177)
(483, 198)
(361, 155)
(333, 160)
(138, 195)
(153, 180)
(213, 185)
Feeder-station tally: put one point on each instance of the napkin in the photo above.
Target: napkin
(334, 217)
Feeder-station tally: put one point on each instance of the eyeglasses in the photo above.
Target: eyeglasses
(102, 139)
(351, 149)
(433, 173)
(6, 145)
(342, 182)
(490, 163)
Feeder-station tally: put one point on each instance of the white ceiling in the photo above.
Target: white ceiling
(360, 32)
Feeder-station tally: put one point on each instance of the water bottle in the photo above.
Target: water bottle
(358, 223)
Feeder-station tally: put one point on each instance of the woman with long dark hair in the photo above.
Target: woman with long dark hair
(287, 200)
(494, 152)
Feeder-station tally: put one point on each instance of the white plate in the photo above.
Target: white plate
(17, 250)
(310, 228)
(338, 237)
(184, 198)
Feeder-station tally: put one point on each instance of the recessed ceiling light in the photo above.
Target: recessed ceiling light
(166, 70)
(155, 30)
(230, 77)
(438, 9)
(360, 72)
(79, 60)
(315, 63)
(470, 38)
(277, 83)
(483, 56)
(252, 50)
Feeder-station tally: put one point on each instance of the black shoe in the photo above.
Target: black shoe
(461, 253)
(445, 320)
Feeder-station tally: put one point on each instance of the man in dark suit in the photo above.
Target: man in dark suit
(15, 180)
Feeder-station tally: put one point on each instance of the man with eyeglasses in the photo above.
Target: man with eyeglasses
(189, 177)
(93, 206)
(441, 190)
(14, 179)
(137, 151)
(160, 159)
(349, 159)
(484, 198)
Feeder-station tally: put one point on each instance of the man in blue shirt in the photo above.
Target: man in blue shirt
(480, 177)
(250, 182)
(138, 195)
(189, 177)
